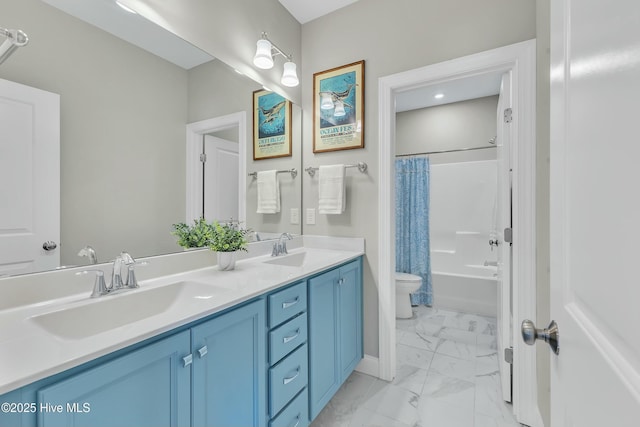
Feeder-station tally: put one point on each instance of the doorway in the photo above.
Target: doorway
(196, 134)
(519, 61)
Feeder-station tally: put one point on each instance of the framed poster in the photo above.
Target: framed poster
(271, 125)
(338, 108)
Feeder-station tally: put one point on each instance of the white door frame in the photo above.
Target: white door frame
(520, 60)
(194, 166)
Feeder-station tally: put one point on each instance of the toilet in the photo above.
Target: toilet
(405, 284)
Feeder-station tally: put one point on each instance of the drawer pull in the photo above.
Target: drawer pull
(291, 337)
(203, 351)
(297, 421)
(187, 360)
(289, 379)
(288, 304)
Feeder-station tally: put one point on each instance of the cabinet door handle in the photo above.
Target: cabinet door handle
(187, 360)
(340, 281)
(291, 337)
(288, 304)
(297, 420)
(203, 351)
(289, 379)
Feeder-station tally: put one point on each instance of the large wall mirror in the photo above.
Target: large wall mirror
(124, 113)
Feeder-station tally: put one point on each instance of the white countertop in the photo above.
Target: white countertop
(28, 352)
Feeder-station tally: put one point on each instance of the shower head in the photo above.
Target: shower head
(14, 39)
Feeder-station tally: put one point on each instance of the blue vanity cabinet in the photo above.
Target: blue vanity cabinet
(288, 357)
(274, 361)
(229, 369)
(150, 386)
(335, 331)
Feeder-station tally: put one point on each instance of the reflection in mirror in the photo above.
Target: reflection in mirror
(123, 117)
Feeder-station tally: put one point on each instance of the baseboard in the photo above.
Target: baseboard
(369, 365)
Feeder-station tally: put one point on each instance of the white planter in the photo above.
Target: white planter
(227, 260)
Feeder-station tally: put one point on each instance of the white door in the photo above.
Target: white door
(220, 179)
(29, 178)
(595, 209)
(503, 248)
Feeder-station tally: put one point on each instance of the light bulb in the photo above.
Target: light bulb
(263, 58)
(289, 77)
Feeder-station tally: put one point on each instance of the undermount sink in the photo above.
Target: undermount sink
(293, 260)
(109, 312)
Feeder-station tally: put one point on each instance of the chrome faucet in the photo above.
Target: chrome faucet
(90, 253)
(128, 260)
(280, 248)
(100, 287)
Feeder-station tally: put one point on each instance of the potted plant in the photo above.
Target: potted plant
(227, 241)
(198, 235)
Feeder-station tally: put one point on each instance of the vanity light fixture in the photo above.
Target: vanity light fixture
(265, 50)
(127, 8)
(14, 39)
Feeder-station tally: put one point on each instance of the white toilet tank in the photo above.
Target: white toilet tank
(410, 282)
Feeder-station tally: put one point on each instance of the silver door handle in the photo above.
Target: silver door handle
(492, 243)
(49, 245)
(550, 335)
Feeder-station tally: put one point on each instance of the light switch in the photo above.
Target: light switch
(295, 216)
(311, 216)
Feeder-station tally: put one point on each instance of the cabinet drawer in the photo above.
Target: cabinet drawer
(294, 415)
(287, 303)
(287, 378)
(286, 337)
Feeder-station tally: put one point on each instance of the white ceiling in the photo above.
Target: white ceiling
(453, 91)
(308, 10)
(108, 16)
(105, 14)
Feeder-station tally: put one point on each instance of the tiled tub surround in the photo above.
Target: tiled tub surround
(447, 376)
(29, 353)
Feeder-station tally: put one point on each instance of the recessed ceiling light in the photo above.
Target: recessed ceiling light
(127, 8)
(439, 95)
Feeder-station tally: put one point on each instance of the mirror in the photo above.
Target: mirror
(124, 113)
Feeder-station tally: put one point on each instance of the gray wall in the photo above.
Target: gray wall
(391, 37)
(459, 125)
(122, 156)
(229, 30)
(123, 117)
(217, 81)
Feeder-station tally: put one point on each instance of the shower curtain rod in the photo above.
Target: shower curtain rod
(446, 151)
(14, 39)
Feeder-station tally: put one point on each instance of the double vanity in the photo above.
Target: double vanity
(267, 344)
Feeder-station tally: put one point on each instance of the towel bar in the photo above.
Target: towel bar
(292, 171)
(362, 167)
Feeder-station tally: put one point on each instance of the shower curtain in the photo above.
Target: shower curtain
(412, 224)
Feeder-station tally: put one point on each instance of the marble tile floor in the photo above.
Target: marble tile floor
(447, 376)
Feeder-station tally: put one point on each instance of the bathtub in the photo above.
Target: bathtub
(472, 290)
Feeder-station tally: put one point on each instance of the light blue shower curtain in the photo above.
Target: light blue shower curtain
(412, 224)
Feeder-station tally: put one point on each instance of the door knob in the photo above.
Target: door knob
(49, 245)
(550, 335)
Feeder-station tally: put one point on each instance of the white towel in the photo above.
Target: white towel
(268, 192)
(331, 188)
